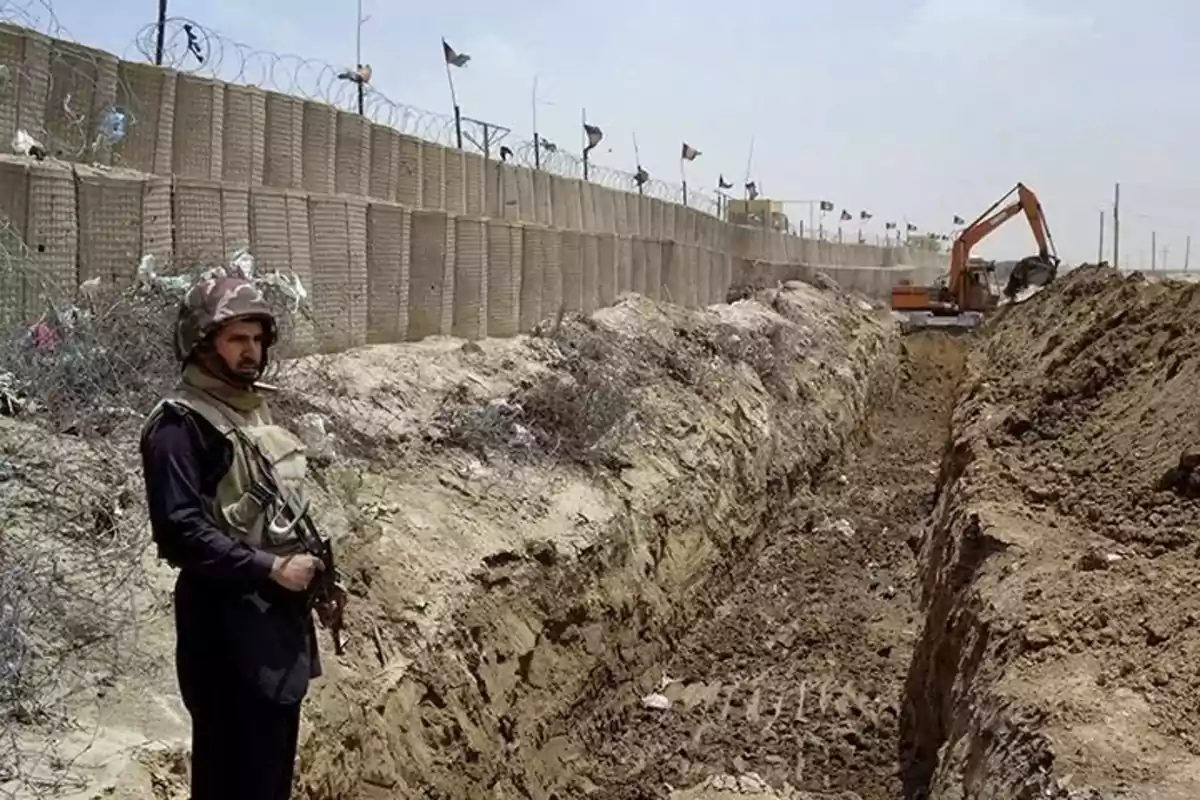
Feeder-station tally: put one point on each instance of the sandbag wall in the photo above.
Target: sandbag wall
(394, 236)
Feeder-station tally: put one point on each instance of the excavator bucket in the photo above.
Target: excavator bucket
(1030, 271)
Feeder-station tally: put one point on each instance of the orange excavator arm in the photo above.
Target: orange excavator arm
(989, 221)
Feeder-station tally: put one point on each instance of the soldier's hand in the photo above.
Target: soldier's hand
(295, 572)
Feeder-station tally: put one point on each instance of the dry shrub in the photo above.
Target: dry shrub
(574, 412)
(580, 407)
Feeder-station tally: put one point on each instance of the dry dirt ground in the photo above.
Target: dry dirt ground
(518, 521)
(1059, 570)
(734, 528)
(795, 669)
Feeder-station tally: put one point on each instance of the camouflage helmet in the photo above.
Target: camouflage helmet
(214, 302)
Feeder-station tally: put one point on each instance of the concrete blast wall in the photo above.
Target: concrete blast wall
(395, 237)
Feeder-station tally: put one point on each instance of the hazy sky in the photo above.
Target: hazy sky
(917, 109)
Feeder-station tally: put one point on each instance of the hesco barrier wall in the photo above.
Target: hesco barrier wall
(395, 237)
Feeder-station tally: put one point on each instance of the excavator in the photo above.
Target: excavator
(960, 298)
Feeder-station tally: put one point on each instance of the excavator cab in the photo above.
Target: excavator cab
(968, 291)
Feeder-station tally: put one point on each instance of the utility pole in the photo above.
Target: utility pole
(1165, 251)
(1100, 254)
(1187, 252)
(1153, 250)
(1117, 226)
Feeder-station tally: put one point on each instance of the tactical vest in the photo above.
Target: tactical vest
(236, 512)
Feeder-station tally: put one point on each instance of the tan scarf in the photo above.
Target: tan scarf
(243, 400)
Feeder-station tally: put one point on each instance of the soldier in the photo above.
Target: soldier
(223, 484)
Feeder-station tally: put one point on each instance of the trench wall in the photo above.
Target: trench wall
(395, 237)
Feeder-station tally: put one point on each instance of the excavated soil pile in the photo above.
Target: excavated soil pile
(792, 677)
(1059, 573)
(647, 449)
(527, 525)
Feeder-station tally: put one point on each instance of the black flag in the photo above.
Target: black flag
(594, 135)
(722, 183)
(453, 58)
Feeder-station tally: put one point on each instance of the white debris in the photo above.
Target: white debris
(24, 144)
(311, 429)
(654, 700)
(242, 264)
(90, 288)
(843, 527)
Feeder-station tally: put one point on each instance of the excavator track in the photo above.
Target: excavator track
(916, 321)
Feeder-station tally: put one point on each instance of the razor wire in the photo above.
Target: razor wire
(58, 108)
(76, 128)
(189, 46)
(70, 558)
(193, 48)
(37, 15)
(80, 367)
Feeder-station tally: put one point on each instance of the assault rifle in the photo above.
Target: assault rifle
(325, 594)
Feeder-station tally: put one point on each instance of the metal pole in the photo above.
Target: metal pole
(162, 32)
(1100, 255)
(685, 193)
(1153, 250)
(358, 56)
(583, 132)
(1117, 226)
(537, 145)
(1187, 252)
(454, 100)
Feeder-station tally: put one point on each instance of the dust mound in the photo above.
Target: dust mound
(1059, 567)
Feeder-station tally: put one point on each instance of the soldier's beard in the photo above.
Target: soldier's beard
(242, 375)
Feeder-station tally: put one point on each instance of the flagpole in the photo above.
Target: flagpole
(358, 57)
(537, 145)
(583, 130)
(683, 176)
(749, 164)
(453, 98)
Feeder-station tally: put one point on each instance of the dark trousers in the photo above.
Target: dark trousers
(244, 738)
(243, 748)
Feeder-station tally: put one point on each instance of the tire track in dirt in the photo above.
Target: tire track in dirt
(796, 670)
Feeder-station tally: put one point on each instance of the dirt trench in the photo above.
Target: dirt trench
(854, 567)
(795, 669)
(1058, 570)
